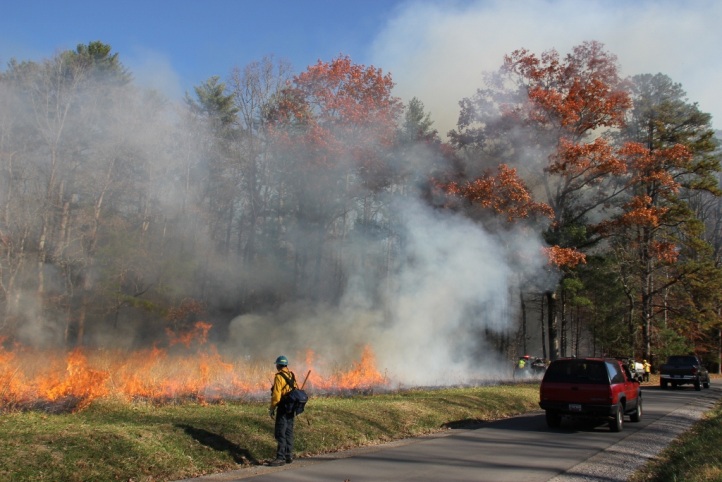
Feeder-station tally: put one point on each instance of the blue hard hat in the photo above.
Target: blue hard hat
(282, 360)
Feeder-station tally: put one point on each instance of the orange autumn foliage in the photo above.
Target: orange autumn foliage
(340, 110)
(504, 193)
(651, 176)
(654, 169)
(579, 93)
(564, 257)
(641, 211)
(572, 99)
(343, 92)
(665, 251)
(592, 160)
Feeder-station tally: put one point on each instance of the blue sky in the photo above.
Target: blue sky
(196, 39)
(436, 50)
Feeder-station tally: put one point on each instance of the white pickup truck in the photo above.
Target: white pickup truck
(636, 368)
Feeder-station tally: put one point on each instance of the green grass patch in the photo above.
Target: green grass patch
(143, 442)
(696, 456)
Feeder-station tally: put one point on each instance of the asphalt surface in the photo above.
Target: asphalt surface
(521, 448)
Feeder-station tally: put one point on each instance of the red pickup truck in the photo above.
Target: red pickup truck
(597, 388)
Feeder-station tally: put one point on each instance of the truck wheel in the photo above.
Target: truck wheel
(663, 384)
(637, 415)
(697, 385)
(616, 424)
(705, 384)
(554, 420)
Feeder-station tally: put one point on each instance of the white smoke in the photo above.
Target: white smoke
(427, 319)
(453, 283)
(154, 70)
(450, 288)
(438, 51)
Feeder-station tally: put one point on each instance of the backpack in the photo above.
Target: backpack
(295, 400)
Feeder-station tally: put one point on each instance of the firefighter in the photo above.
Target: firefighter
(283, 429)
(647, 370)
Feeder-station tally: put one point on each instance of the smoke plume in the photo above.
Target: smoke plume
(438, 51)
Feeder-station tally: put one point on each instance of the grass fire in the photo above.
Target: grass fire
(187, 369)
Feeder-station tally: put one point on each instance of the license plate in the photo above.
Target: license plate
(575, 407)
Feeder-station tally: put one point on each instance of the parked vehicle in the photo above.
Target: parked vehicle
(538, 366)
(529, 366)
(596, 388)
(684, 369)
(635, 368)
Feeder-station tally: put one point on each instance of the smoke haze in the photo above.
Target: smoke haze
(427, 314)
(450, 287)
(438, 51)
(449, 291)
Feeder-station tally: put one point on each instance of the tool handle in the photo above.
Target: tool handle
(304, 380)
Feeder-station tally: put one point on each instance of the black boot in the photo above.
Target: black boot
(277, 463)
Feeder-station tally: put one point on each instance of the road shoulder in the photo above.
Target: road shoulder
(621, 460)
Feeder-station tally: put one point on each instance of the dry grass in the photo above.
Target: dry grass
(117, 440)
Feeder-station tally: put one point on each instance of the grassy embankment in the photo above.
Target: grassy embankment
(696, 456)
(142, 442)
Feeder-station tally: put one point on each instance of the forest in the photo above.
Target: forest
(571, 211)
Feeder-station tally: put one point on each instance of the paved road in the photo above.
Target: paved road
(521, 448)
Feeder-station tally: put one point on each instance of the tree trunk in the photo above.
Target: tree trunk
(543, 328)
(563, 324)
(647, 284)
(523, 320)
(551, 297)
(719, 352)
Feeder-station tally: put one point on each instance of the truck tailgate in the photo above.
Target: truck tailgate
(587, 393)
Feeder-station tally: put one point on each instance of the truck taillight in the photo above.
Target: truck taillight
(694, 371)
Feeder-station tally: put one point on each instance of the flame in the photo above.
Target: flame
(80, 381)
(362, 375)
(189, 369)
(198, 334)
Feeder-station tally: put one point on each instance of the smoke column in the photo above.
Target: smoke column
(439, 51)
(450, 287)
